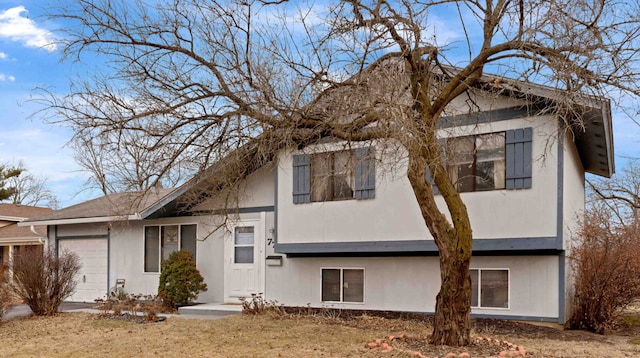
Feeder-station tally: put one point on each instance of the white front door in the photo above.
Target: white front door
(244, 260)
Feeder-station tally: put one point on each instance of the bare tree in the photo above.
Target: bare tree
(127, 162)
(202, 79)
(621, 193)
(30, 190)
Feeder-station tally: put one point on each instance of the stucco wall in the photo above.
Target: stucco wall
(257, 190)
(412, 283)
(394, 214)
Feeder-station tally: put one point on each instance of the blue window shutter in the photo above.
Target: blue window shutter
(518, 157)
(429, 179)
(365, 173)
(301, 178)
(442, 143)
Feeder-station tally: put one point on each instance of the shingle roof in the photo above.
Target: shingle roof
(112, 205)
(22, 211)
(15, 231)
(19, 212)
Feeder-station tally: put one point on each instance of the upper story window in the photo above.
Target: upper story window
(501, 160)
(476, 163)
(332, 176)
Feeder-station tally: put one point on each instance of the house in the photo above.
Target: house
(335, 225)
(14, 238)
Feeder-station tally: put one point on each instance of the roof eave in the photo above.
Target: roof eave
(68, 221)
(595, 142)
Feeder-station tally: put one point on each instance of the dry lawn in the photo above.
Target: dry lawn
(84, 335)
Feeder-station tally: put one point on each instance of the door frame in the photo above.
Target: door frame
(259, 254)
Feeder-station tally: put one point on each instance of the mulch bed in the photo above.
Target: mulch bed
(126, 316)
(485, 329)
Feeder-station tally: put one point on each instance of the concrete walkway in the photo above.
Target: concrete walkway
(200, 311)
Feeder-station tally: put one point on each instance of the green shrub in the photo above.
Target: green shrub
(180, 280)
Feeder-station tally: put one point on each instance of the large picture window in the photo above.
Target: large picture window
(476, 163)
(489, 288)
(343, 285)
(332, 176)
(162, 240)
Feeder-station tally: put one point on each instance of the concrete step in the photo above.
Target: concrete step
(216, 309)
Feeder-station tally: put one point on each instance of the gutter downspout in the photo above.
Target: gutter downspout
(42, 240)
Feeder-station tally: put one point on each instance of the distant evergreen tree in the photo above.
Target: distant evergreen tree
(6, 173)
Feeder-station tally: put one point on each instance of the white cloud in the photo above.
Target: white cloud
(4, 77)
(3, 55)
(16, 27)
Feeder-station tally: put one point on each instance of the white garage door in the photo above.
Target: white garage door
(91, 281)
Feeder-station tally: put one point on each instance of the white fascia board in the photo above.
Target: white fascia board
(12, 218)
(22, 240)
(608, 130)
(98, 219)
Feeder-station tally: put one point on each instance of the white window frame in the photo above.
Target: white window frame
(341, 269)
(479, 306)
(252, 246)
(159, 226)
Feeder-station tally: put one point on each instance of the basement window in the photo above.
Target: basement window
(489, 288)
(343, 285)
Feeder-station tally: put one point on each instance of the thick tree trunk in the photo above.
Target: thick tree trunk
(452, 321)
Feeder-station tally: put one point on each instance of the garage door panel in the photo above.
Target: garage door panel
(91, 280)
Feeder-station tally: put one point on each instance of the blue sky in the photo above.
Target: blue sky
(29, 60)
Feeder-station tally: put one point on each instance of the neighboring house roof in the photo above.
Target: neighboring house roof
(112, 207)
(13, 214)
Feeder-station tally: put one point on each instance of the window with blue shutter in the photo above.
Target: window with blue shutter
(332, 176)
(492, 161)
(365, 173)
(429, 179)
(442, 142)
(301, 178)
(518, 157)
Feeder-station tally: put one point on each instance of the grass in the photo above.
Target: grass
(631, 320)
(81, 335)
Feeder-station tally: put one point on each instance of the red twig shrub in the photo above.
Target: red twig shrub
(43, 280)
(606, 268)
(5, 295)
